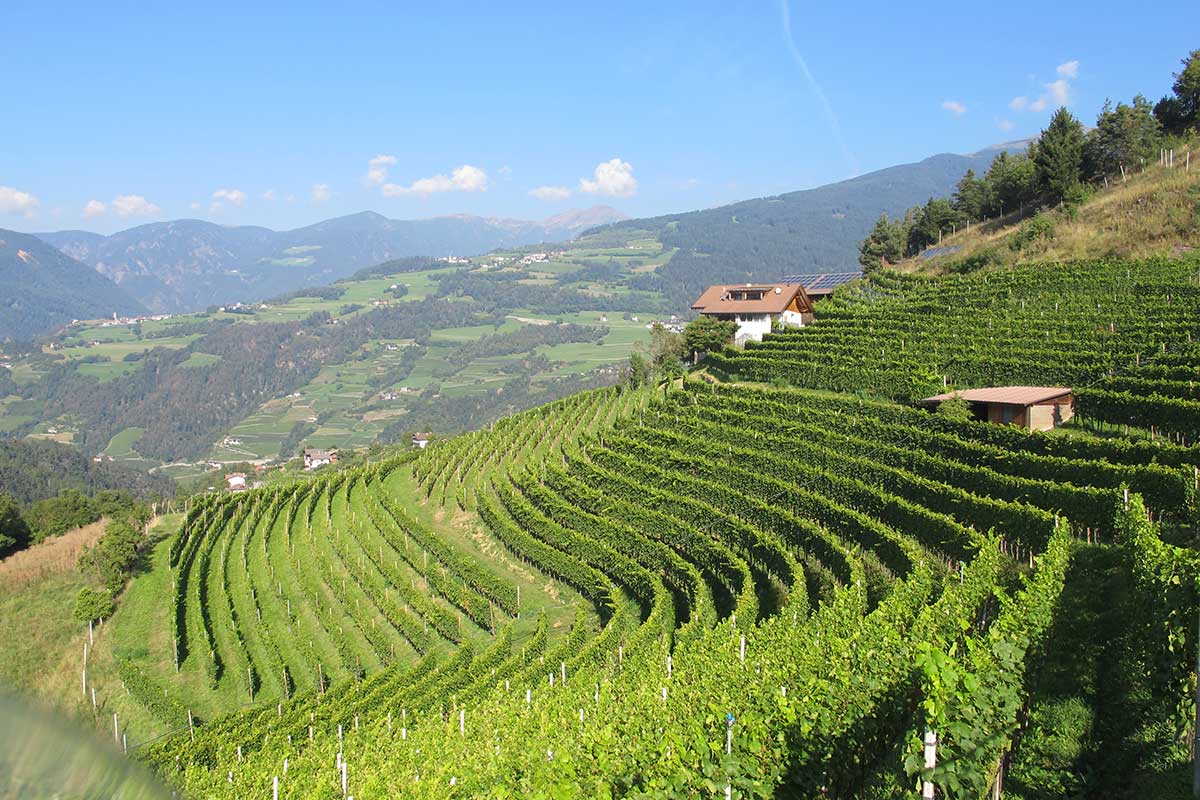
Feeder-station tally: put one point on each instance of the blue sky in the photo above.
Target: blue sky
(118, 114)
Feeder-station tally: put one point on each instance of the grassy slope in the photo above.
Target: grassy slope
(1155, 212)
(47, 664)
(37, 595)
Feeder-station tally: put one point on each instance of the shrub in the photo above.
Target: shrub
(956, 409)
(55, 516)
(93, 604)
(975, 261)
(1040, 227)
(708, 334)
(1075, 197)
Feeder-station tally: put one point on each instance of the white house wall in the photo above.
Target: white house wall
(792, 319)
(752, 326)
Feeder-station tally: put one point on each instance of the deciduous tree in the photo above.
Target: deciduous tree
(14, 532)
(1180, 111)
(1124, 137)
(705, 334)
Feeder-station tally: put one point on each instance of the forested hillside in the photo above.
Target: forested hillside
(408, 345)
(815, 230)
(44, 289)
(32, 469)
(1116, 188)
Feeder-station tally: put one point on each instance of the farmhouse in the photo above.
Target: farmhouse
(757, 307)
(236, 482)
(421, 440)
(1034, 408)
(315, 457)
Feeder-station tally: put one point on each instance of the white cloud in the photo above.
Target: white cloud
(954, 107)
(94, 208)
(1005, 125)
(320, 192)
(613, 177)
(505, 172)
(377, 169)
(463, 179)
(194, 206)
(1059, 92)
(133, 205)
(268, 195)
(14, 201)
(234, 196)
(550, 192)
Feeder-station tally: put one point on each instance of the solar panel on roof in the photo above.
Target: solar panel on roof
(815, 281)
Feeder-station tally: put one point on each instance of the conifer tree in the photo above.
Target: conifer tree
(1059, 156)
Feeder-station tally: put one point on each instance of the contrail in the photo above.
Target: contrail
(816, 87)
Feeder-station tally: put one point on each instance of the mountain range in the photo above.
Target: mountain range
(43, 288)
(814, 230)
(187, 265)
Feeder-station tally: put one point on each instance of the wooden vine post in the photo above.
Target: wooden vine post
(1196, 728)
(927, 787)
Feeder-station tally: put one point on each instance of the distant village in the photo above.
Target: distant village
(498, 261)
(117, 320)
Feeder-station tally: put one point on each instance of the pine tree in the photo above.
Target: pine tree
(885, 241)
(971, 198)
(1059, 156)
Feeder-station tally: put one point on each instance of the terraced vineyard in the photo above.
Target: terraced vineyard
(1121, 331)
(722, 589)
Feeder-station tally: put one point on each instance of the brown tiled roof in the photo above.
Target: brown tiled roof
(1012, 395)
(776, 297)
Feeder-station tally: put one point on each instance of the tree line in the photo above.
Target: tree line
(1059, 167)
(53, 516)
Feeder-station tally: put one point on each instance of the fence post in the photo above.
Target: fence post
(927, 788)
(1196, 734)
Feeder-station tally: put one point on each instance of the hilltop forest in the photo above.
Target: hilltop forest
(1062, 166)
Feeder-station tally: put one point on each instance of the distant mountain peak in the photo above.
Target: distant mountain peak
(582, 218)
(1016, 145)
